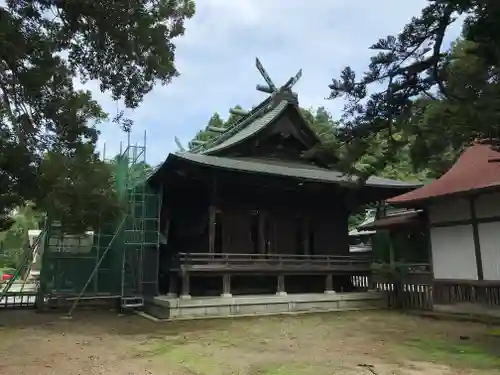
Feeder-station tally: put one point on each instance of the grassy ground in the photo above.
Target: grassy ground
(342, 343)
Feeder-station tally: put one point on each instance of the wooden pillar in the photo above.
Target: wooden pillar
(211, 229)
(428, 240)
(166, 228)
(329, 284)
(280, 287)
(306, 235)
(185, 286)
(260, 231)
(477, 241)
(172, 285)
(226, 286)
(392, 258)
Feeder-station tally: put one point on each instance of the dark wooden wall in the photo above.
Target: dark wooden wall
(285, 229)
(235, 227)
(257, 216)
(331, 233)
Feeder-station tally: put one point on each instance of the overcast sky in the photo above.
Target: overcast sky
(216, 59)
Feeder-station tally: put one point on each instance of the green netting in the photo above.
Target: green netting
(69, 260)
(121, 174)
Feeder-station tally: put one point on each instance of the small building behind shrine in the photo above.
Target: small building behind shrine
(360, 240)
(462, 213)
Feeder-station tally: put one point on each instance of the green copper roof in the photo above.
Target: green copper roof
(261, 116)
(251, 128)
(258, 119)
(288, 169)
(255, 114)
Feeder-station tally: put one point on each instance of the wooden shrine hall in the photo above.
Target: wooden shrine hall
(246, 213)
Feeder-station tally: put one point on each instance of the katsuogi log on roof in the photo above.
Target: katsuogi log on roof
(270, 140)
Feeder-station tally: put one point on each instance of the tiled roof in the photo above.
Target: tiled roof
(474, 170)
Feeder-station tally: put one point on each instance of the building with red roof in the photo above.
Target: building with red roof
(476, 170)
(463, 214)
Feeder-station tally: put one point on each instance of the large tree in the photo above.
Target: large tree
(127, 46)
(422, 84)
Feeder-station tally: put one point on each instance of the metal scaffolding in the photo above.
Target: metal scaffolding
(120, 260)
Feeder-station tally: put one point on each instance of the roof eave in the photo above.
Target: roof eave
(426, 200)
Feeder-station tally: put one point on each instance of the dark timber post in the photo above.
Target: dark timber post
(261, 229)
(329, 284)
(185, 286)
(280, 289)
(212, 210)
(306, 234)
(172, 285)
(226, 286)
(211, 229)
(477, 242)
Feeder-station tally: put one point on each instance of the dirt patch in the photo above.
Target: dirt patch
(346, 343)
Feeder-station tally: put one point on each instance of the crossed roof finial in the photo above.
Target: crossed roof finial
(277, 93)
(271, 88)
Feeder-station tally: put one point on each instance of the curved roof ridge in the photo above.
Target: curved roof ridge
(249, 128)
(237, 126)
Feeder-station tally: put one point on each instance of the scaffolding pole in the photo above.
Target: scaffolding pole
(96, 268)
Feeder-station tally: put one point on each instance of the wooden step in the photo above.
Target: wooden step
(132, 302)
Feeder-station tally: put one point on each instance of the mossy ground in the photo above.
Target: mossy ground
(339, 343)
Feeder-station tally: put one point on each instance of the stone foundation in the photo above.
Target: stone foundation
(218, 307)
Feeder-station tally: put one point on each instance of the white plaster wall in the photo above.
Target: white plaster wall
(453, 255)
(488, 205)
(449, 210)
(489, 235)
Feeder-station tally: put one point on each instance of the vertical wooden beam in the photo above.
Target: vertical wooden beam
(280, 287)
(329, 284)
(272, 233)
(477, 241)
(226, 286)
(172, 285)
(212, 215)
(211, 229)
(305, 231)
(428, 239)
(390, 236)
(261, 231)
(166, 228)
(186, 287)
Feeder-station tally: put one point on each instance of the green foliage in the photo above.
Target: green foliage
(428, 92)
(322, 123)
(215, 121)
(136, 172)
(470, 113)
(76, 187)
(14, 241)
(48, 128)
